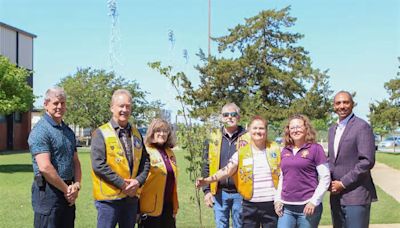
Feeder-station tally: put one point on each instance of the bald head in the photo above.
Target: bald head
(343, 104)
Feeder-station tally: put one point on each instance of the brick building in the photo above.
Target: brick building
(17, 46)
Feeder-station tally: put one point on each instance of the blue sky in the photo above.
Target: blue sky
(358, 41)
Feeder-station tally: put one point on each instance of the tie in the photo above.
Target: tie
(124, 136)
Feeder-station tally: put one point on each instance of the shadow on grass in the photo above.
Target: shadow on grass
(16, 168)
(8, 152)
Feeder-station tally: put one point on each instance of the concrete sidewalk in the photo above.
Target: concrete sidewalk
(388, 179)
(373, 226)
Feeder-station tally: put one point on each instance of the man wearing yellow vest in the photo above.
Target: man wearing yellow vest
(223, 196)
(120, 165)
(256, 165)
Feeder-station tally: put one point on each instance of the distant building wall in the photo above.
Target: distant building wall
(22, 127)
(3, 133)
(17, 46)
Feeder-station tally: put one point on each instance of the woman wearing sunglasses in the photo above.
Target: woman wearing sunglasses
(305, 176)
(256, 165)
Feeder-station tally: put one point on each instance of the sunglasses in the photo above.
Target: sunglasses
(232, 114)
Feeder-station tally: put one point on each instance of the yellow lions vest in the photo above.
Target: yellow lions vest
(214, 155)
(118, 162)
(152, 192)
(245, 168)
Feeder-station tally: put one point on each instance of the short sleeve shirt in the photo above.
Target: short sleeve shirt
(57, 139)
(300, 176)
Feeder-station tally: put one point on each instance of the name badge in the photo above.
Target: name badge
(247, 161)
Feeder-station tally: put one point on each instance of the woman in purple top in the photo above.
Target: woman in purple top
(158, 196)
(304, 176)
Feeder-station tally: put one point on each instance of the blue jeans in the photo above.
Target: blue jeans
(346, 216)
(111, 212)
(224, 203)
(293, 217)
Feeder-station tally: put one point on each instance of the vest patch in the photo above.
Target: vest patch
(137, 143)
(242, 143)
(245, 174)
(304, 153)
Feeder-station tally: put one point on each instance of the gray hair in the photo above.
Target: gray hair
(120, 92)
(55, 92)
(231, 105)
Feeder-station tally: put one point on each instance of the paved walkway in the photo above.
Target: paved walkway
(388, 179)
(373, 226)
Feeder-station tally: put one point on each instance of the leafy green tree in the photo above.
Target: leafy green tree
(15, 93)
(393, 88)
(321, 126)
(89, 94)
(263, 70)
(152, 110)
(385, 115)
(316, 103)
(275, 129)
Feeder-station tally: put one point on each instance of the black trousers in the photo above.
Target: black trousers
(51, 208)
(259, 214)
(165, 220)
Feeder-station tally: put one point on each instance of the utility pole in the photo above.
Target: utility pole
(209, 28)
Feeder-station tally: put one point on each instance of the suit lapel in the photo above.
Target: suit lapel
(349, 125)
(331, 151)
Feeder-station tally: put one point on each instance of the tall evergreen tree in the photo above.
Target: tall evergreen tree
(263, 70)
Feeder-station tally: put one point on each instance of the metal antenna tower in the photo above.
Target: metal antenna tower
(114, 37)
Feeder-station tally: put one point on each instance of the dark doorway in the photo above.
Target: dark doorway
(10, 131)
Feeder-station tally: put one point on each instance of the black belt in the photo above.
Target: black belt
(68, 182)
(228, 190)
(41, 182)
(295, 208)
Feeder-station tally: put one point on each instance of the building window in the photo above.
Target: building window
(17, 117)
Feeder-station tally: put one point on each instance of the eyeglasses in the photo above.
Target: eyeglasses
(296, 128)
(159, 130)
(232, 114)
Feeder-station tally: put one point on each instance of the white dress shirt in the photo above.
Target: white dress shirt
(339, 132)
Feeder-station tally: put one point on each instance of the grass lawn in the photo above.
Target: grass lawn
(16, 210)
(390, 159)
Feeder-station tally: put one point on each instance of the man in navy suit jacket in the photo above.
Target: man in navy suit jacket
(351, 156)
